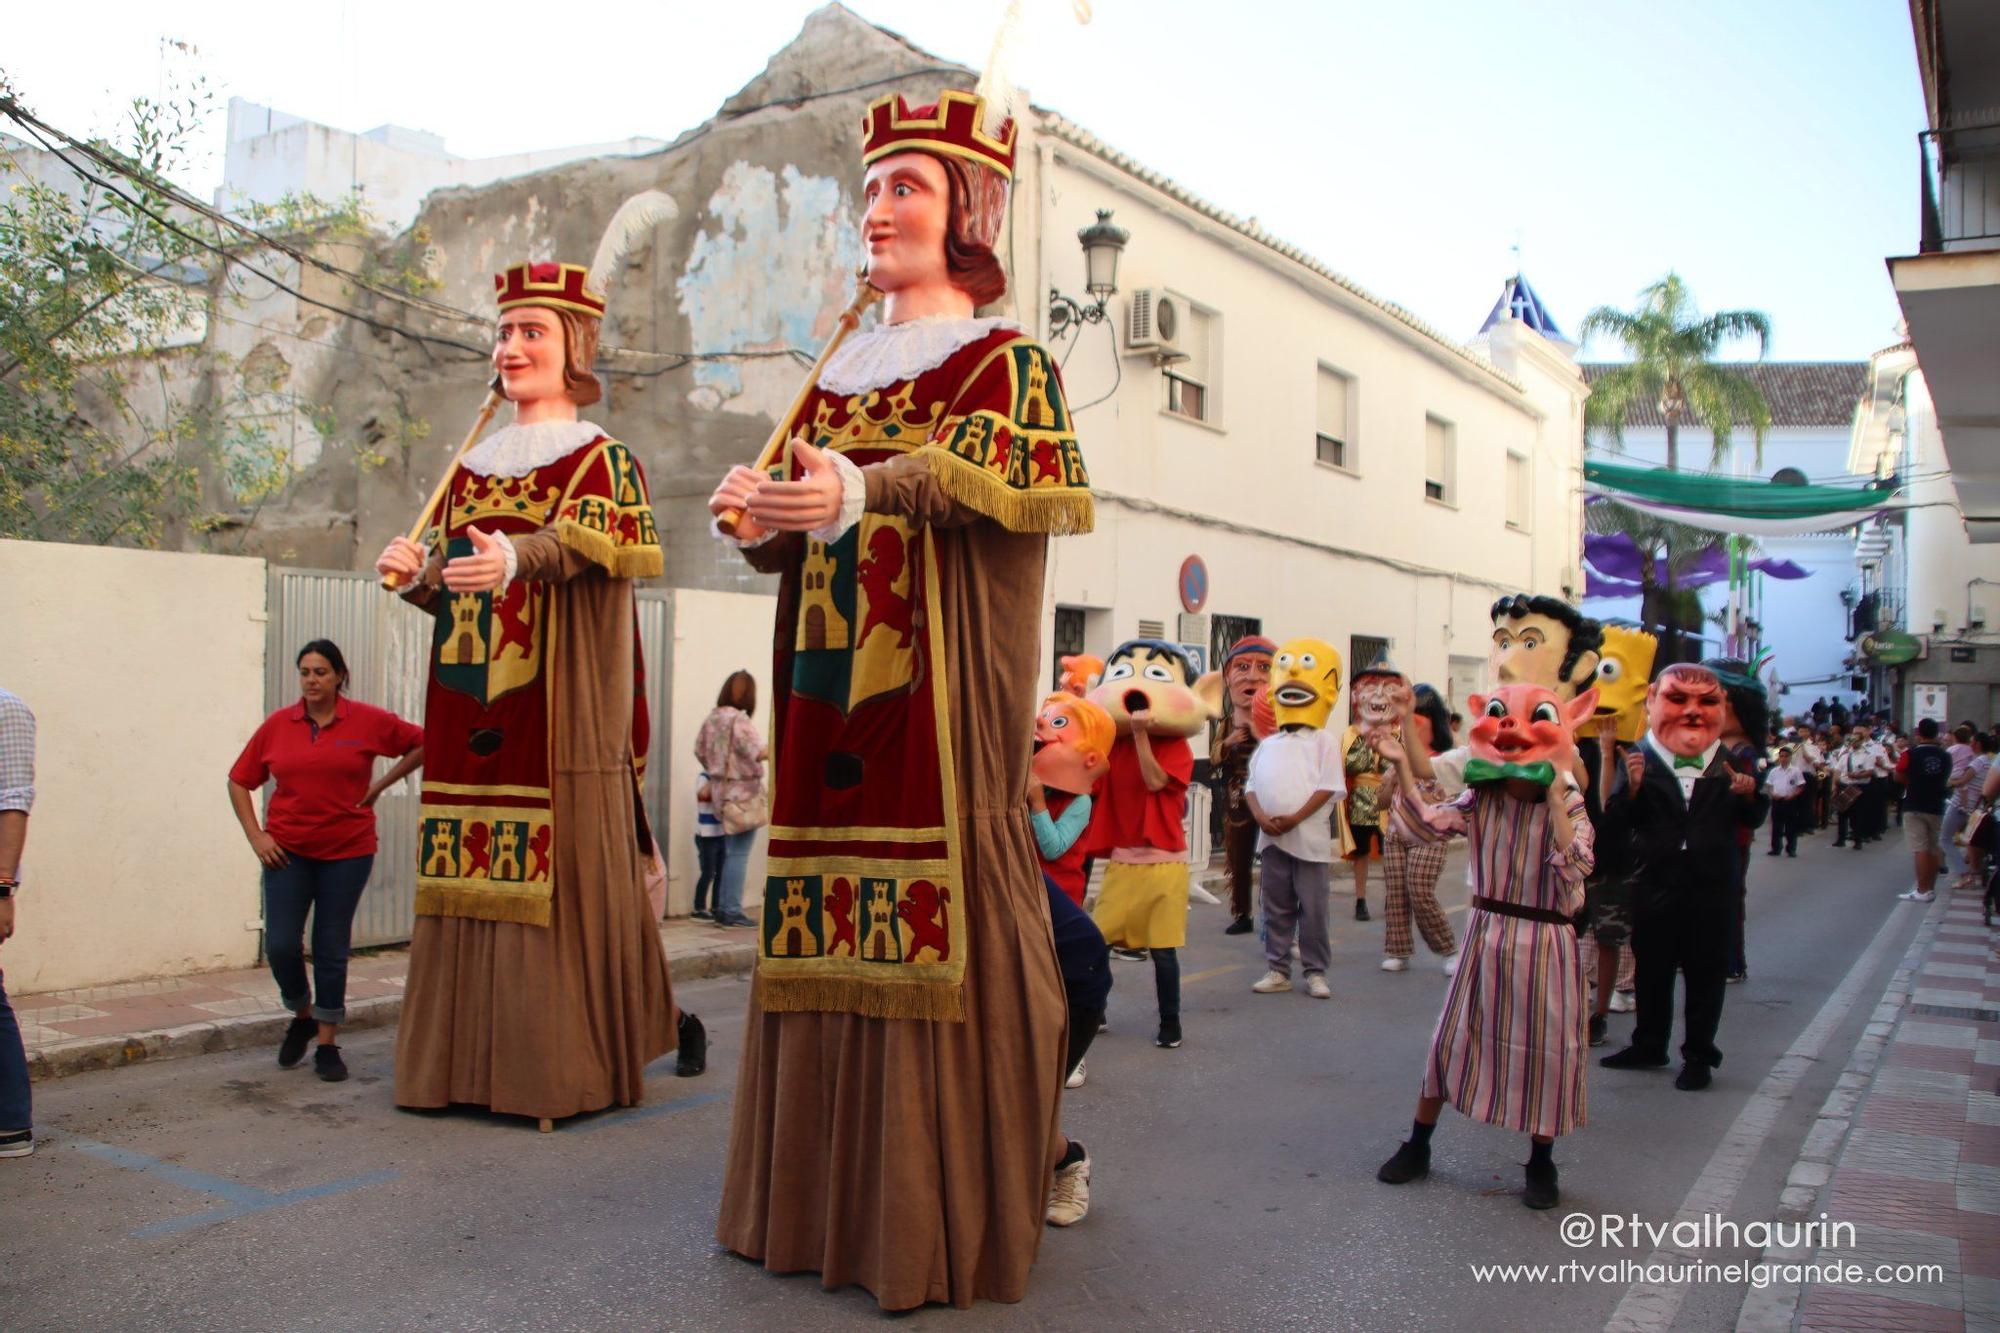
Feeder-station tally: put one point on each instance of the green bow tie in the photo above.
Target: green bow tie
(1693, 761)
(1481, 770)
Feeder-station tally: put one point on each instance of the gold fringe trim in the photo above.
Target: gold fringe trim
(621, 562)
(1060, 513)
(928, 1001)
(483, 905)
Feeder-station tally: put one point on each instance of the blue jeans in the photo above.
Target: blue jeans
(16, 1106)
(708, 851)
(736, 848)
(332, 889)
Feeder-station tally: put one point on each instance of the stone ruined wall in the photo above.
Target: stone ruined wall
(760, 258)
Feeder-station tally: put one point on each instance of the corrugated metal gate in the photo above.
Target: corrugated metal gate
(385, 640)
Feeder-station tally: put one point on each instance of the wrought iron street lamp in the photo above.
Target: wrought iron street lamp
(1102, 243)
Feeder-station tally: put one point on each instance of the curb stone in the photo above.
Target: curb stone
(113, 1051)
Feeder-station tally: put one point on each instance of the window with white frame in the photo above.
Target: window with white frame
(1193, 386)
(1333, 431)
(1518, 490)
(1440, 460)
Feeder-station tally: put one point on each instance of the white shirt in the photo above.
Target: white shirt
(1786, 781)
(1853, 765)
(1286, 770)
(1685, 776)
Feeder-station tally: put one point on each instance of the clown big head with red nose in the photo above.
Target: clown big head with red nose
(1686, 709)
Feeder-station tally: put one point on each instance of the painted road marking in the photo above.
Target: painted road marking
(642, 1113)
(1648, 1307)
(1208, 972)
(239, 1200)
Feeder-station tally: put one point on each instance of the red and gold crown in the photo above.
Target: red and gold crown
(951, 126)
(557, 286)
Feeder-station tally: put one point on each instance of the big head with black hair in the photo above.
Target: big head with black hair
(1749, 707)
(1544, 641)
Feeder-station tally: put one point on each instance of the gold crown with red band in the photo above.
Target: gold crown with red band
(557, 286)
(951, 127)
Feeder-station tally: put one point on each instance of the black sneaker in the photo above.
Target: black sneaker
(702, 914)
(328, 1064)
(1736, 976)
(1694, 1076)
(1129, 955)
(1169, 1035)
(297, 1037)
(16, 1142)
(1541, 1191)
(692, 1052)
(1598, 1025)
(1242, 925)
(1411, 1162)
(1361, 909)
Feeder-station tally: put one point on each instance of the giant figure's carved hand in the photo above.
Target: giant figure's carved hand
(733, 495)
(813, 501)
(482, 571)
(401, 561)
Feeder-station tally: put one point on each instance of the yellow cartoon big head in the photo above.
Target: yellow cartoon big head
(1305, 682)
(1622, 675)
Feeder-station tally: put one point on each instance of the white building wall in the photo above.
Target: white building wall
(1304, 547)
(1804, 620)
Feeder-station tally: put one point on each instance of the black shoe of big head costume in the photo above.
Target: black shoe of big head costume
(692, 1055)
(1694, 1076)
(1541, 1191)
(328, 1064)
(1634, 1058)
(297, 1037)
(1411, 1162)
(1242, 925)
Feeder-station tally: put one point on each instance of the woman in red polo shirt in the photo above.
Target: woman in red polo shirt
(317, 841)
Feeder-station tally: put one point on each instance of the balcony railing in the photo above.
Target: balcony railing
(1961, 188)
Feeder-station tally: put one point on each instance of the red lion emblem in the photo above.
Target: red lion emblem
(877, 575)
(516, 618)
(1048, 464)
(538, 847)
(922, 910)
(840, 905)
(478, 852)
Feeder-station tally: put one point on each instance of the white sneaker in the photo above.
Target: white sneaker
(1918, 896)
(1069, 1195)
(1317, 988)
(1621, 1002)
(1076, 1080)
(1272, 982)
(1451, 964)
(1395, 964)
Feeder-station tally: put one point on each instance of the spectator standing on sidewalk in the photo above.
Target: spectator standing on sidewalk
(731, 752)
(1963, 803)
(17, 797)
(1791, 801)
(317, 841)
(1924, 772)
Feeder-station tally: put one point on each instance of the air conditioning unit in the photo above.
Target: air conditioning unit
(1155, 322)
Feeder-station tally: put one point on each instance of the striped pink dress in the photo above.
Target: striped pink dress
(1510, 1047)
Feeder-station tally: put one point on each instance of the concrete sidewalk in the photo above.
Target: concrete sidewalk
(101, 1027)
(1906, 1150)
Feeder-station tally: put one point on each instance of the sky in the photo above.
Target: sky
(1766, 151)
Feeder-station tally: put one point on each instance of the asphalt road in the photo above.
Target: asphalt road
(1234, 1177)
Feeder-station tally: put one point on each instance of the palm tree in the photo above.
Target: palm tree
(1673, 346)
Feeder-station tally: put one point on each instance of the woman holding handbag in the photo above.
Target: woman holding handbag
(731, 753)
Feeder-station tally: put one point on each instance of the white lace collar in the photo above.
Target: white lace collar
(515, 451)
(891, 353)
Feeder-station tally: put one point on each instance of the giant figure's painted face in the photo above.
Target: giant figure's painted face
(1622, 673)
(1305, 683)
(1526, 724)
(529, 353)
(1380, 699)
(1529, 650)
(1073, 739)
(1148, 675)
(1247, 673)
(1686, 709)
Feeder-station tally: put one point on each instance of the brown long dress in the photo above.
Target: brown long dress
(907, 1156)
(552, 1021)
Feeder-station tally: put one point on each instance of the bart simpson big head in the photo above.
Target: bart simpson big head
(1157, 678)
(1622, 674)
(1305, 683)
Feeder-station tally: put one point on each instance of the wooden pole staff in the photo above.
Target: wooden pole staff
(486, 411)
(850, 319)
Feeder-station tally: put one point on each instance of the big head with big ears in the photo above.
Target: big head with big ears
(1305, 683)
(1073, 740)
(1686, 709)
(1381, 696)
(1157, 678)
(1521, 725)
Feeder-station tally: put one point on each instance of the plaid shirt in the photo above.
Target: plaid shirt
(17, 754)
